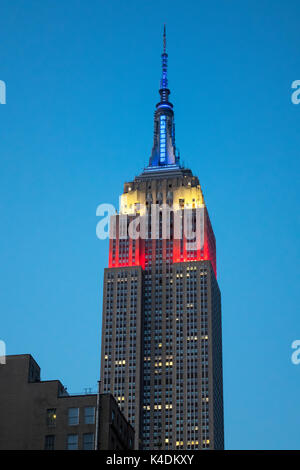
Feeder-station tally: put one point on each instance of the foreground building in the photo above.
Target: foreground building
(161, 335)
(37, 415)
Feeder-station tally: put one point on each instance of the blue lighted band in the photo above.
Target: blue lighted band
(160, 105)
(162, 139)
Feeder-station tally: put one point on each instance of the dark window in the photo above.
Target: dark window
(89, 415)
(73, 416)
(88, 441)
(72, 442)
(49, 442)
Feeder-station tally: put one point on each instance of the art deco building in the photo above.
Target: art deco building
(161, 337)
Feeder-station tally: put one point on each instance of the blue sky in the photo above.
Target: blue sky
(82, 83)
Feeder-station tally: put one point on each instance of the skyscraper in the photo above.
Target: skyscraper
(161, 336)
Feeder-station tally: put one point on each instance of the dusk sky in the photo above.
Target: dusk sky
(82, 81)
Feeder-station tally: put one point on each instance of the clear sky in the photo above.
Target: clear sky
(82, 82)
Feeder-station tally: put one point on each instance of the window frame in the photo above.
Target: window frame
(91, 443)
(88, 417)
(70, 418)
(68, 443)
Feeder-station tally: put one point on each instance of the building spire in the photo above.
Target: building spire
(164, 92)
(164, 151)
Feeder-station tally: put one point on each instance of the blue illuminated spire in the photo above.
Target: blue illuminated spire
(164, 56)
(163, 151)
(164, 91)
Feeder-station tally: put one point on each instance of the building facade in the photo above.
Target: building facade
(161, 336)
(41, 415)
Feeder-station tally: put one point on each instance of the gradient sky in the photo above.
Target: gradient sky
(82, 82)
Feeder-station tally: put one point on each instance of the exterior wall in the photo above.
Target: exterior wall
(121, 434)
(121, 355)
(25, 402)
(217, 365)
(198, 395)
(16, 404)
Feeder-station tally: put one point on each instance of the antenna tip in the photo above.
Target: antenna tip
(164, 37)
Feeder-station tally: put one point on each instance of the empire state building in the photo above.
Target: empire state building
(161, 353)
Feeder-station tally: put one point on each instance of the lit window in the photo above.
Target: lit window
(51, 417)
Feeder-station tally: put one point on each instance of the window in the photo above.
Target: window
(89, 415)
(88, 441)
(51, 416)
(49, 442)
(72, 442)
(73, 416)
